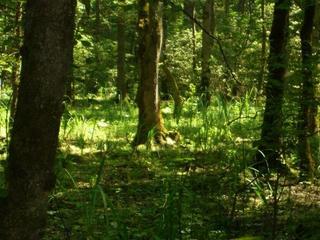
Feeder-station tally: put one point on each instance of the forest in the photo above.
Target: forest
(159, 119)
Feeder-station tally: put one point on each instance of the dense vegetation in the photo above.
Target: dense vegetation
(178, 119)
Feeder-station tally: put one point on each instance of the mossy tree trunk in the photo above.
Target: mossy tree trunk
(46, 66)
(150, 43)
(207, 45)
(307, 125)
(270, 148)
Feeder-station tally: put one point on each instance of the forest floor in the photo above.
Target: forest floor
(201, 187)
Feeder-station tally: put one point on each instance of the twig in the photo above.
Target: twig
(173, 5)
(240, 117)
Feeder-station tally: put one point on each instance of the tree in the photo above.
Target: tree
(46, 67)
(263, 47)
(270, 146)
(150, 43)
(207, 44)
(190, 9)
(307, 124)
(121, 58)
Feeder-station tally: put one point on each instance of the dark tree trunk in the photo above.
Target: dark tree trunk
(46, 66)
(121, 58)
(316, 32)
(150, 43)
(270, 147)
(241, 6)
(308, 112)
(207, 44)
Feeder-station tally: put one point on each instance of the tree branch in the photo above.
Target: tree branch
(225, 59)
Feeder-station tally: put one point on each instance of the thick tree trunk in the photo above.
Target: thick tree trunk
(46, 66)
(207, 44)
(270, 147)
(121, 58)
(150, 43)
(308, 111)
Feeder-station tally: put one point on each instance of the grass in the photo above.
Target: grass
(200, 188)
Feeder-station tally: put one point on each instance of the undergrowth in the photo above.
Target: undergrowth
(201, 187)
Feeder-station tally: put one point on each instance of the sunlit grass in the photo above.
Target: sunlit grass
(198, 188)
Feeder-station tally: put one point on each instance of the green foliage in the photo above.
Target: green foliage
(203, 186)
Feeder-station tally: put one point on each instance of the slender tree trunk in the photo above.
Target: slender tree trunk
(226, 7)
(121, 58)
(46, 65)
(270, 147)
(207, 44)
(263, 48)
(174, 90)
(164, 86)
(316, 32)
(92, 85)
(308, 110)
(241, 6)
(190, 8)
(150, 43)
(16, 65)
(169, 82)
(98, 18)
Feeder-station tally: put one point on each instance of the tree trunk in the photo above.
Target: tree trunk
(308, 109)
(227, 7)
(46, 66)
(121, 58)
(263, 48)
(241, 6)
(207, 44)
(174, 90)
(150, 43)
(316, 32)
(270, 147)
(190, 8)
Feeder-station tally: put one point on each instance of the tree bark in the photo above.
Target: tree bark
(307, 125)
(150, 43)
(46, 66)
(207, 45)
(270, 147)
(121, 58)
